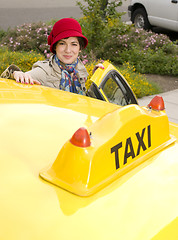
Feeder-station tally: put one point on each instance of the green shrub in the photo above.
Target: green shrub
(147, 51)
(23, 60)
(28, 37)
(2, 34)
(155, 62)
(96, 23)
(138, 82)
(105, 30)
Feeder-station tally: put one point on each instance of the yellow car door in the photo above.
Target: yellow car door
(109, 85)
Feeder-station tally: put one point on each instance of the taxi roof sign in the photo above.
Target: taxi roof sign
(121, 140)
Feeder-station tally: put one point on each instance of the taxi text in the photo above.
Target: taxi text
(130, 150)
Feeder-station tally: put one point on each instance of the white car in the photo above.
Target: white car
(159, 13)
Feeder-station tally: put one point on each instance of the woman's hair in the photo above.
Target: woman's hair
(81, 43)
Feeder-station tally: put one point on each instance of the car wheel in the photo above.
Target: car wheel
(140, 19)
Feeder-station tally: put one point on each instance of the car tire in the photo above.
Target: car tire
(140, 19)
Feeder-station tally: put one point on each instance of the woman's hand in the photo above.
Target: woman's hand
(24, 78)
(99, 65)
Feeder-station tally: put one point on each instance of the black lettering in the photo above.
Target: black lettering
(149, 135)
(116, 150)
(141, 142)
(131, 153)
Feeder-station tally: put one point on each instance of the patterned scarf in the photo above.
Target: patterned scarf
(69, 77)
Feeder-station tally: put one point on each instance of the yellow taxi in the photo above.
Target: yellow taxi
(79, 167)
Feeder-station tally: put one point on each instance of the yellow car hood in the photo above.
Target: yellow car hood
(35, 123)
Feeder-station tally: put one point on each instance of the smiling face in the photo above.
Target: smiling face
(67, 50)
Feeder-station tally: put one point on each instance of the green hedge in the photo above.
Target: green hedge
(24, 60)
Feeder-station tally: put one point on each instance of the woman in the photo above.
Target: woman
(63, 70)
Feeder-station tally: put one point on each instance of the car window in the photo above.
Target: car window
(113, 92)
(94, 92)
(112, 87)
(117, 90)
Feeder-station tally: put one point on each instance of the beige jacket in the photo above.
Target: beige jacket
(48, 73)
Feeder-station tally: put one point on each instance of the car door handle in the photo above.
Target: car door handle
(174, 1)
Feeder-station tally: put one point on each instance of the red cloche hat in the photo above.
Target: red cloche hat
(64, 28)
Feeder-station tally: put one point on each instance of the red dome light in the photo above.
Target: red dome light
(157, 103)
(81, 138)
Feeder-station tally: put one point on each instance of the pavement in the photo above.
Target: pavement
(18, 12)
(171, 103)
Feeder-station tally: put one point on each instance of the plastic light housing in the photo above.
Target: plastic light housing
(157, 103)
(81, 138)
